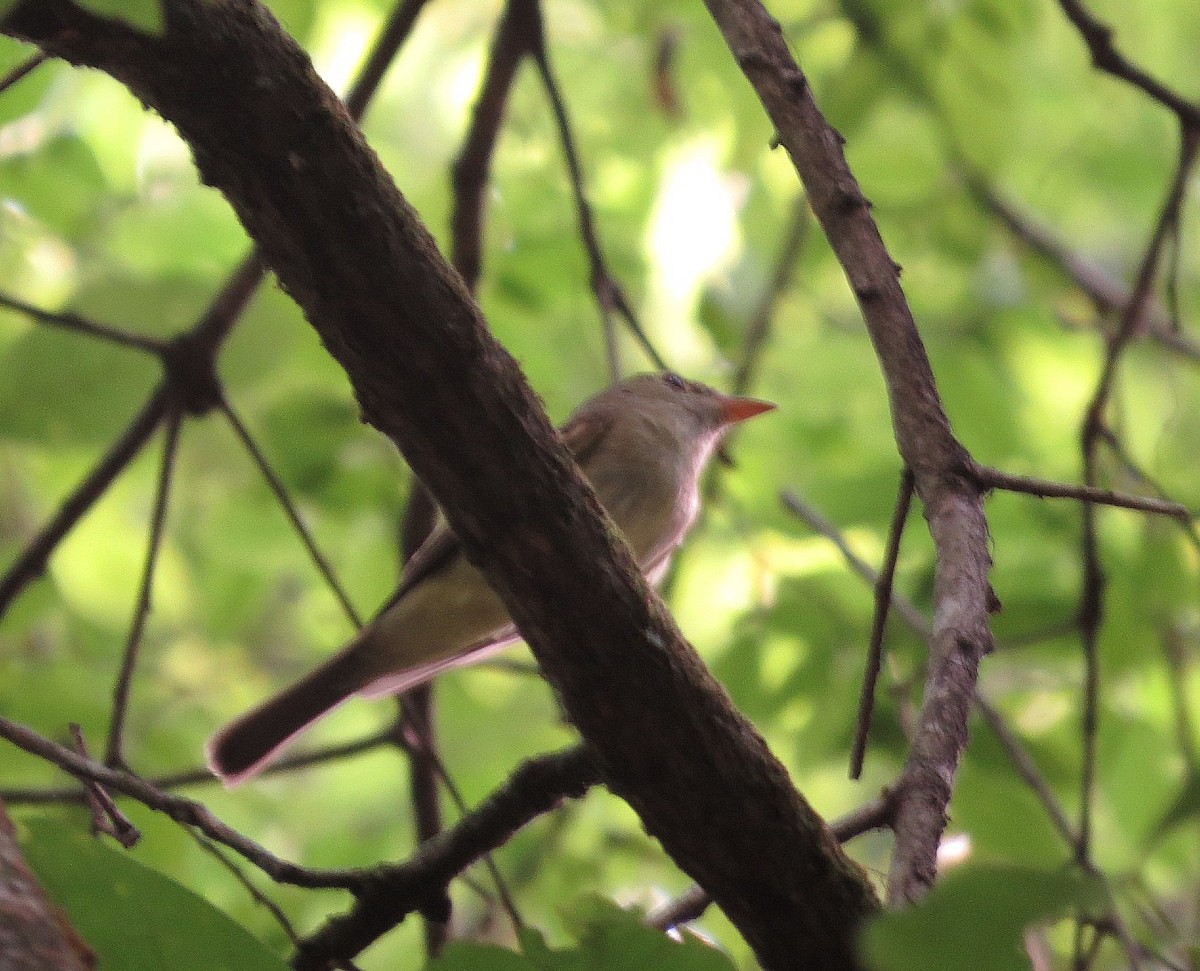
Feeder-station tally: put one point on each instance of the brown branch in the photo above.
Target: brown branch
(693, 902)
(804, 510)
(954, 507)
(991, 478)
(31, 564)
(1094, 430)
(82, 325)
(34, 934)
(49, 795)
(114, 754)
(185, 811)
(420, 515)
(1107, 293)
(106, 815)
(610, 295)
(307, 540)
(469, 173)
(883, 600)
(214, 850)
(349, 248)
(1105, 56)
(384, 50)
(536, 787)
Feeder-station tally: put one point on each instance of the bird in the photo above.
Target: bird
(642, 443)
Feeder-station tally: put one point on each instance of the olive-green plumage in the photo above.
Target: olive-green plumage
(642, 444)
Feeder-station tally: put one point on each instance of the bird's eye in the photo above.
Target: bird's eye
(675, 381)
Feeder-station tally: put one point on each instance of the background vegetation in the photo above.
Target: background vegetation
(1022, 192)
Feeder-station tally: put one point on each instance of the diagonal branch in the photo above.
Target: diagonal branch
(33, 559)
(115, 753)
(425, 370)
(536, 787)
(954, 504)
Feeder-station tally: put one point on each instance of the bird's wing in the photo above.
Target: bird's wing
(582, 434)
(439, 550)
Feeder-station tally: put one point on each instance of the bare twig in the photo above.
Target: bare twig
(469, 173)
(996, 479)
(32, 561)
(324, 567)
(420, 515)
(82, 325)
(1026, 768)
(106, 816)
(22, 70)
(115, 752)
(213, 849)
(900, 603)
(610, 296)
(954, 507)
(883, 599)
(387, 45)
(185, 811)
(537, 786)
(1093, 432)
(202, 775)
(1098, 37)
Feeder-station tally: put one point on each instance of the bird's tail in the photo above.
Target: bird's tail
(245, 746)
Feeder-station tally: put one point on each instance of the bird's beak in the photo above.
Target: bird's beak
(734, 410)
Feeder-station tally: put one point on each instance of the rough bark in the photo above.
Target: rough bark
(343, 241)
(34, 934)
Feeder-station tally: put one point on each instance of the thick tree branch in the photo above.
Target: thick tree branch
(349, 248)
(953, 503)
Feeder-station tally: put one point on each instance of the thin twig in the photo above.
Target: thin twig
(536, 787)
(115, 752)
(22, 70)
(804, 510)
(471, 167)
(213, 849)
(420, 516)
(995, 479)
(610, 296)
(106, 815)
(1098, 37)
(32, 561)
(202, 775)
(324, 567)
(1027, 769)
(387, 45)
(1093, 432)
(82, 325)
(1131, 468)
(185, 811)
(883, 598)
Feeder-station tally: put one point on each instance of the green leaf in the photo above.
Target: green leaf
(135, 918)
(974, 920)
(145, 15)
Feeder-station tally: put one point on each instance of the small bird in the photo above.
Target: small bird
(642, 444)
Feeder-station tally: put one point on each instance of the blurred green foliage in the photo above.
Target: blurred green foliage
(101, 213)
